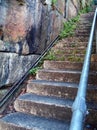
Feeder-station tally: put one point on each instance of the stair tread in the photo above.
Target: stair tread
(54, 83)
(45, 100)
(67, 65)
(30, 122)
(60, 84)
(65, 71)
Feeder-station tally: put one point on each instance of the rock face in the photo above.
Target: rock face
(29, 27)
(13, 66)
(26, 29)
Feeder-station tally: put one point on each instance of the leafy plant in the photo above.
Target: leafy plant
(50, 56)
(54, 2)
(69, 27)
(33, 71)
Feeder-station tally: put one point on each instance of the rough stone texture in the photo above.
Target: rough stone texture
(20, 121)
(49, 107)
(30, 25)
(59, 89)
(64, 75)
(26, 27)
(52, 88)
(67, 65)
(13, 66)
(72, 11)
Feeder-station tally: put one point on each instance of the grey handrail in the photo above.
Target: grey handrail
(79, 107)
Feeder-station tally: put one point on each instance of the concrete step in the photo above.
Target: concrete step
(59, 89)
(45, 106)
(67, 65)
(64, 75)
(21, 121)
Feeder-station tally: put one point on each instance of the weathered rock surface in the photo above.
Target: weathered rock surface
(13, 66)
(29, 27)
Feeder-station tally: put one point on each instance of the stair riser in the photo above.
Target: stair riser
(66, 77)
(80, 34)
(44, 110)
(70, 51)
(56, 112)
(83, 33)
(67, 65)
(59, 91)
(48, 90)
(84, 27)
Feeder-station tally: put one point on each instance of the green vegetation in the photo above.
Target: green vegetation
(86, 9)
(69, 27)
(54, 2)
(34, 70)
(50, 56)
(68, 30)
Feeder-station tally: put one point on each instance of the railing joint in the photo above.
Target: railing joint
(80, 104)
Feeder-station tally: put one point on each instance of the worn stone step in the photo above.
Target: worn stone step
(82, 34)
(52, 88)
(87, 15)
(86, 19)
(85, 24)
(69, 57)
(85, 27)
(21, 121)
(83, 31)
(64, 75)
(51, 107)
(59, 89)
(82, 22)
(69, 50)
(64, 44)
(45, 106)
(67, 65)
(76, 44)
(75, 39)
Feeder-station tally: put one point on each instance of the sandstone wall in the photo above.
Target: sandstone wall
(26, 29)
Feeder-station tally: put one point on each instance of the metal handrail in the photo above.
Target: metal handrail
(79, 107)
(15, 87)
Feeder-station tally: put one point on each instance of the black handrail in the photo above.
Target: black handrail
(17, 84)
(79, 107)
